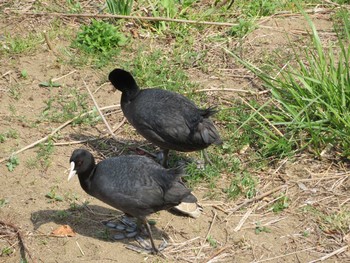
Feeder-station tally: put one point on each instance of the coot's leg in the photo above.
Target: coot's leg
(165, 158)
(162, 157)
(155, 250)
(206, 157)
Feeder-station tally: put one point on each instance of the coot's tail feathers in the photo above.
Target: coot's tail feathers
(178, 191)
(122, 79)
(206, 113)
(209, 133)
(190, 198)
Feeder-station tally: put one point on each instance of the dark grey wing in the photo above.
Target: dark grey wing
(127, 184)
(165, 116)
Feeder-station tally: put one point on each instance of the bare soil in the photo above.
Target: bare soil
(289, 236)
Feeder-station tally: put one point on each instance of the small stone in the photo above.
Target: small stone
(119, 236)
(111, 224)
(132, 234)
(120, 227)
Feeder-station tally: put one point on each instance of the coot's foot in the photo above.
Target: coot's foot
(146, 247)
(127, 228)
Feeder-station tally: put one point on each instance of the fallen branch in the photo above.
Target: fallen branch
(53, 132)
(147, 18)
(15, 231)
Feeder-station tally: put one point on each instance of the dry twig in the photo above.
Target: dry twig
(285, 255)
(23, 249)
(101, 114)
(216, 253)
(254, 199)
(336, 252)
(244, 218)
(208, 233)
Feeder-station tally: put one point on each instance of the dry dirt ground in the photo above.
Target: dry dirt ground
(289, 236)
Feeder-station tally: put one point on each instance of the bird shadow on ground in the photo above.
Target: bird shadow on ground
(87, 220)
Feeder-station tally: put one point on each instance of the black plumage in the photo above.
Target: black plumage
(136, 185)
(167, 119)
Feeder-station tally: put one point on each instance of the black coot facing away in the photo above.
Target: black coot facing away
(136, 185)
(167, 119)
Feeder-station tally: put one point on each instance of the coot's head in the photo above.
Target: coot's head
(122, 80)
(81, 162)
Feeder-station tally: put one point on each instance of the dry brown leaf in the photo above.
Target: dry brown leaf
(63, 231)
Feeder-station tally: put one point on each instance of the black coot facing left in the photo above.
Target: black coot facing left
(136, 185)
(167, 119)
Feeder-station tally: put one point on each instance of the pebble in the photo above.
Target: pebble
(119, 236)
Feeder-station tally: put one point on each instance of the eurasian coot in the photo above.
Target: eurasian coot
(167, 119)
(136, 185)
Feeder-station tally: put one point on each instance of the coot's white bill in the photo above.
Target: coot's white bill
(72, 172)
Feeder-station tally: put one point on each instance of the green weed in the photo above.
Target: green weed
(341, 22)
(50, 84)
(3, 202)
(100, 39)
(163, 8)
(121, 7)
(212, 242)
(281, 204)
(66, 106)
(53, 196)
(243, 27)
(199, 175)
(14, 91)
(309, 101)
(24, 74)
(154, 70)
(44, 153)
(12, 163)
(74, 6)
(61, 214)
(242, 184)
(260, 229)
(21, 45)
(333, 222)
(10, 134)
(6, 251)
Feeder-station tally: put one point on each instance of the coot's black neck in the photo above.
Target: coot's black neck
(130, 94)
(86, 177)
